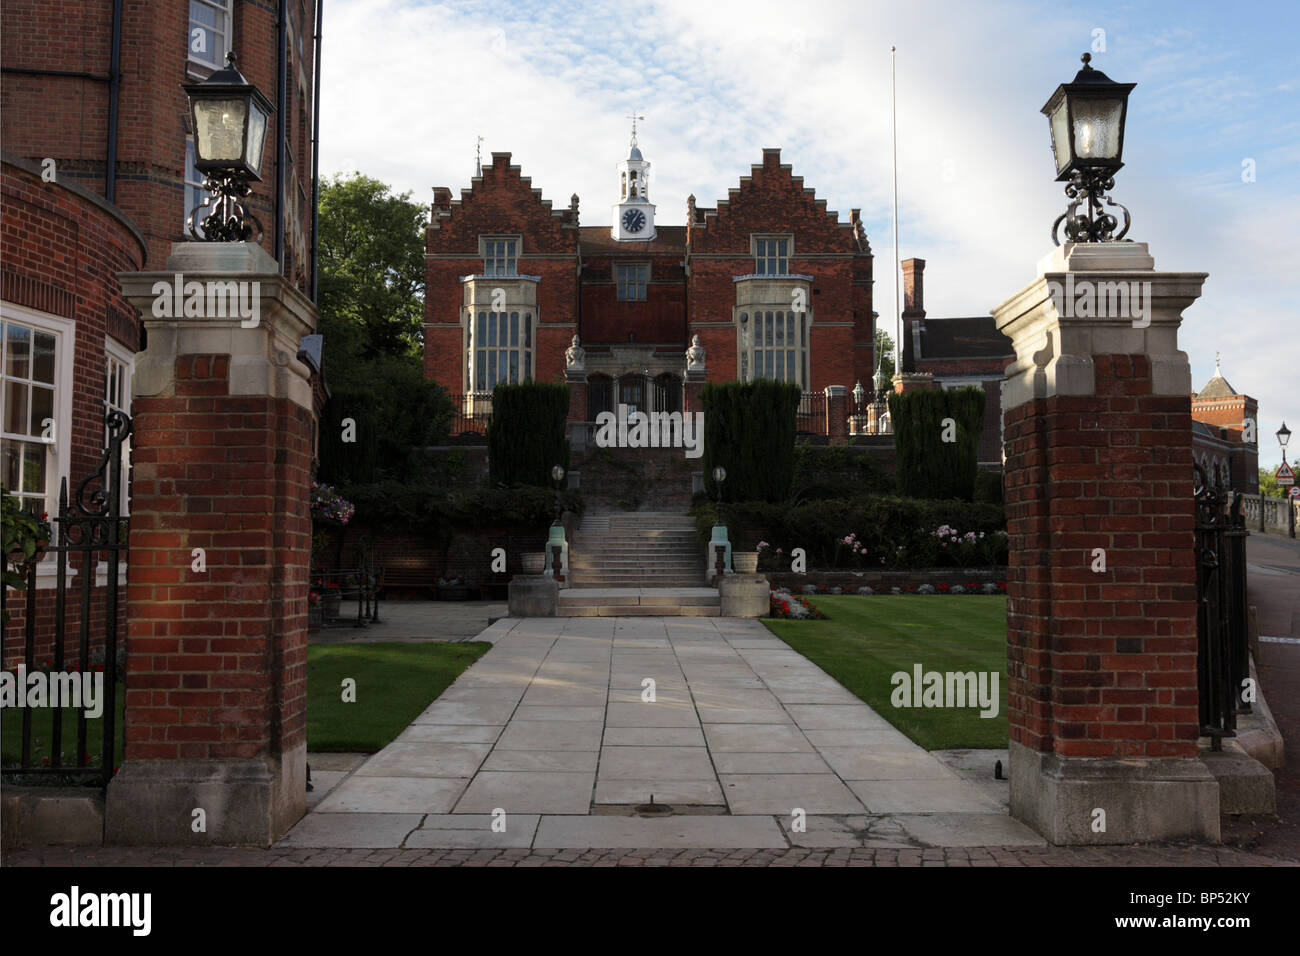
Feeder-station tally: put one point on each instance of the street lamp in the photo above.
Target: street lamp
(1087, 119)
(557, 475)
(1283, 436)
(859, 393)
(229, 117)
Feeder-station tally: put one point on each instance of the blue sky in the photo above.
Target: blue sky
(407, 86)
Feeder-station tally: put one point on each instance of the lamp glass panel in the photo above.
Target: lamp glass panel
(1060, 136)
(256, 139)
(220, 129)
(1096, 127)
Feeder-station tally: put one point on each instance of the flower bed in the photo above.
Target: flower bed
(915, 581)
(786, 605)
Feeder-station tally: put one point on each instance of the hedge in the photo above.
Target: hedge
(526, 437)
(928, 466)
(749, 429)
(437, 510)
(896, 532)
(391, 421)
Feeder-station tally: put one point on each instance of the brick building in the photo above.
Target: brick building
(770, 280)
(1219, 432)
(958, 352)
(98, 178)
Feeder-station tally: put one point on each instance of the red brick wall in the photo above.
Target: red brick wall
(660, 318)
(1102, 664)
(66, 118)
(501, 202)
(213, 673)
(773, 200)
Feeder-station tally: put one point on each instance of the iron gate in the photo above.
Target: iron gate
(89, 529)
(1223, 654)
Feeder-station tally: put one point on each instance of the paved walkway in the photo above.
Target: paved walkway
(550, 737)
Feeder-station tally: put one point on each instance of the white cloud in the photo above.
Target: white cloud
(407, 88)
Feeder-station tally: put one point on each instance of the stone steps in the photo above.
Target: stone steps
(635, 550)
(686, 601)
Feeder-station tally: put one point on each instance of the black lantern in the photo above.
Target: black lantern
(1283, 436)
(557, 475)
(229, 117)
(1087, 120)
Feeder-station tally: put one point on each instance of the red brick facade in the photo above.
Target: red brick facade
(1102, 663)
(691, 283)
(64, 116)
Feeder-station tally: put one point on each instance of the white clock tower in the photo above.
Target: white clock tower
(634, 214)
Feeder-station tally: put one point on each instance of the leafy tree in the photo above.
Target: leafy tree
(1268, 486)
(372, 316)
(885, 352)
(371, 294)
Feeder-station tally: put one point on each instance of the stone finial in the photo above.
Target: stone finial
(575, 355)
(695, 354)
(573, 208)
(690, 210)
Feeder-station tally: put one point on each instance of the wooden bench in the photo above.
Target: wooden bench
(422, 578)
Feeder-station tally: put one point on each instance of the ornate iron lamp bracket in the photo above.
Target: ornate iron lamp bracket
(1091, 186)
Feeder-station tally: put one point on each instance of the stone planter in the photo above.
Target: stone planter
(533, 562)
(330, 602)
(744, 562)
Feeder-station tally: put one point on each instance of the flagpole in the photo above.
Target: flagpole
(898, 308)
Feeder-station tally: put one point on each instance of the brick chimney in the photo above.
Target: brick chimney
(913, 311)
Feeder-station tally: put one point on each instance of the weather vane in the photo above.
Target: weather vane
(478, 156)
(634, 117)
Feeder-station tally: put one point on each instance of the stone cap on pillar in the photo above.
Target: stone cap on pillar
(1095, 299)
(223, 298)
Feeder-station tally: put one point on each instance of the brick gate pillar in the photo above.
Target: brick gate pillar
(220, 538)
(837, 414)
(1101, 590)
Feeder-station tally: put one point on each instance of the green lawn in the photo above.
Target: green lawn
(394, 683)
(863, 641)
(11, 734)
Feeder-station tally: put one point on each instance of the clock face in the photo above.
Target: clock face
(634, 220)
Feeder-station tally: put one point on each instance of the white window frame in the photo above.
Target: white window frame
(639, 283)
(125, 359)
(218, 60)
(765, 257)
(495, 260)
(525, 350)
(58, 452)
(753, 333)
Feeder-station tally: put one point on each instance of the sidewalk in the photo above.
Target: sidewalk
(1273, 586)
(550, 736)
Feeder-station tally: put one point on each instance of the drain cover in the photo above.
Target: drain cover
(653, 809)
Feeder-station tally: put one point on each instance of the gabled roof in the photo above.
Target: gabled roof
(1217, 387)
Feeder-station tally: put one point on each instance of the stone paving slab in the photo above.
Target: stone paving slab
(921, 796)
(474, 831)
(551, 728)
(634, 791)
(363, 830)
(528, 792)
(781, 793)
(370, 794)
(640, 832)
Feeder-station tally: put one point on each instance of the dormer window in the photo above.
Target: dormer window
(771, 255)
(500, 256)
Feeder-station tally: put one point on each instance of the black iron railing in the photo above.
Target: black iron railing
(85, 531)
(1223, 654)
(471, 415)
(811, 419)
